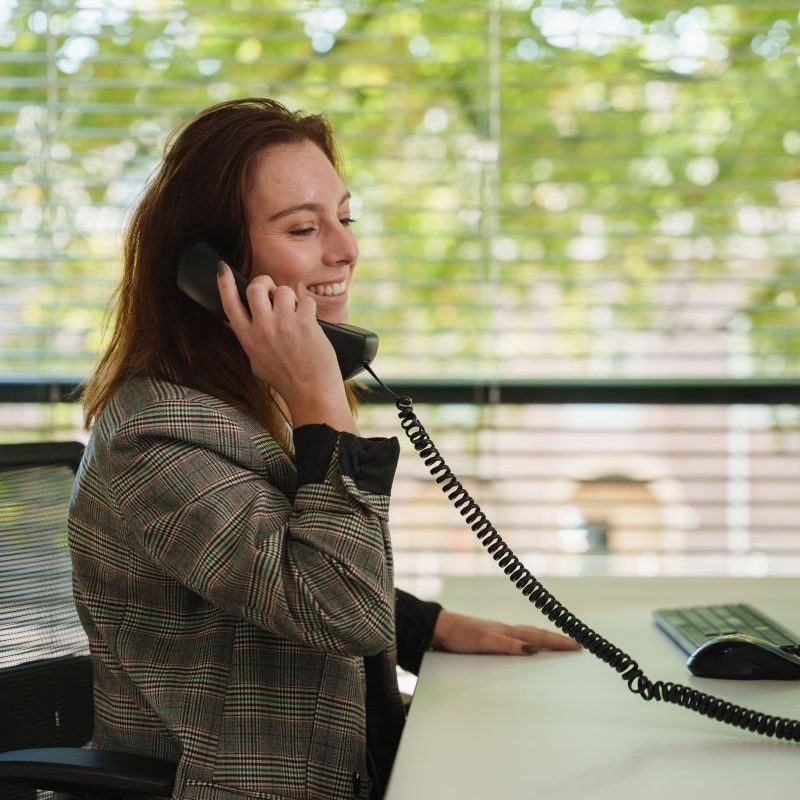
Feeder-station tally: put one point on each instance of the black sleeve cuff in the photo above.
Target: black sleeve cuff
(415, 620)
(313, 449)
(371, 463)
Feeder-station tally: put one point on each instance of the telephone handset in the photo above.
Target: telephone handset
(197, 277)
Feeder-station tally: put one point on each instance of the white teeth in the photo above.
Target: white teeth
(327, 289)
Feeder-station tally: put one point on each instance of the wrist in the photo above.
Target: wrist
(441, 630)
(333, 411)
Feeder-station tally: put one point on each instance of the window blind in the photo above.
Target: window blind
(550, 189)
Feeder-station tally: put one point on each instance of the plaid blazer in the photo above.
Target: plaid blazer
(239, 604)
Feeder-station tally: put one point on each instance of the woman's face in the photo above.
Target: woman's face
(300, 226)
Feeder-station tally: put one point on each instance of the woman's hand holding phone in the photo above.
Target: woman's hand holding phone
(288, 350)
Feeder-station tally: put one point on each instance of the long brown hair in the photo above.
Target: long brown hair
(200, 189)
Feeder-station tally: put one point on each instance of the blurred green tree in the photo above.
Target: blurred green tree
(564, 188)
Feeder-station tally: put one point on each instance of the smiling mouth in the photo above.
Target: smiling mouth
(328, 289)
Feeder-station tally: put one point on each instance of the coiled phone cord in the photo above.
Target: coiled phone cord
(560, 616)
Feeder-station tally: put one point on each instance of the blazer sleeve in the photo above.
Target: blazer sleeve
(415, 620)
(194, 495)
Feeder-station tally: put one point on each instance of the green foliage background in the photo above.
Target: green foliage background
(567, 188)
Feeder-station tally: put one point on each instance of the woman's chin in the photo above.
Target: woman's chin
(335, 316)
(332, 308)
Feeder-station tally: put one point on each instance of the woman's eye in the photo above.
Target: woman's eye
(347, 221)
(302, 231)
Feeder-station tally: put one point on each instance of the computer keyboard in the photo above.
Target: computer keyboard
(691, 627)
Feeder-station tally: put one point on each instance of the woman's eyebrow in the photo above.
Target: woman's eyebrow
(304, 207)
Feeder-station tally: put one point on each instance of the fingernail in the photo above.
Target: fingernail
(221, 265)
(530, 649)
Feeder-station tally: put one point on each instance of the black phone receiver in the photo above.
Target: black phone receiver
(197, 278)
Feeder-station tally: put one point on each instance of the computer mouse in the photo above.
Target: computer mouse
(743, 657)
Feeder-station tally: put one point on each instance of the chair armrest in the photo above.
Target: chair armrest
(74, 768)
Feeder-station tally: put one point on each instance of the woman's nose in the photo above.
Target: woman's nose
(341, 246)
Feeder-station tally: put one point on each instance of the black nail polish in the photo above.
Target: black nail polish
(530, 649)
(221, 267)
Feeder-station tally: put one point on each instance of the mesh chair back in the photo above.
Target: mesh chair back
(45, 673)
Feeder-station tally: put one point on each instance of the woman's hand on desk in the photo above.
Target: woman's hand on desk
(458, 633)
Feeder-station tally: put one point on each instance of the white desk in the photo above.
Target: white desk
(557, 726)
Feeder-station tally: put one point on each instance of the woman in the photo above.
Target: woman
(232, 561)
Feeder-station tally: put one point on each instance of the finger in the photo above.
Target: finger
(259, 296)
(232, 304)
(307, 306)
(284, 299)
(545, 639)
(498, 643)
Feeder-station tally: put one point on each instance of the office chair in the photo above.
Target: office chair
(46, 707)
